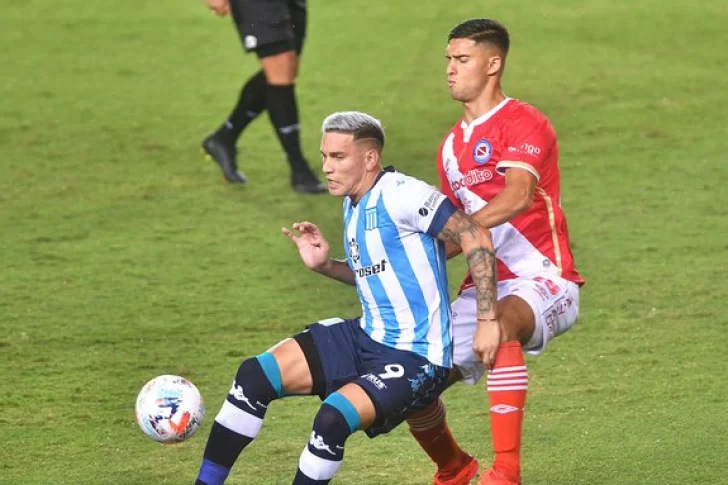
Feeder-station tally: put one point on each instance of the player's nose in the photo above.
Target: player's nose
(450, 68)
(327, 166)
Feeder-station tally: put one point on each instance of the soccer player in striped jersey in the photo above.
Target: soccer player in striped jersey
(374, 371)
(500, 165)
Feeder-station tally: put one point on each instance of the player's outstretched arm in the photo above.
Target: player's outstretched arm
(314, 251)
(479, 252)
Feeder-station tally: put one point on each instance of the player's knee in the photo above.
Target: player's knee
(257, 383)
(335, 408)
(333, 425)
(509, 330)
(322, 457)
(516, 320)
(280, 69)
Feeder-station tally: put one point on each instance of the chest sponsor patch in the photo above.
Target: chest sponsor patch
(473, 177)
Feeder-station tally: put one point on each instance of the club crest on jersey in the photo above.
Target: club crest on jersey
(354, 251)
(370, 222)
(482, 151)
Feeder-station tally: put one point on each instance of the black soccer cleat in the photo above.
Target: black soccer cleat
(305, 182)
(225, 156)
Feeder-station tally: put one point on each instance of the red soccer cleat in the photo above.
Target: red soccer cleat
(462, 477)
(493, 477)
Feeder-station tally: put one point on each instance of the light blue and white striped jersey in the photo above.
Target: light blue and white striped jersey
(391, 245)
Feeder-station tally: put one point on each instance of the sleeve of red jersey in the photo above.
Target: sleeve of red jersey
(445, 187)
(528, 148)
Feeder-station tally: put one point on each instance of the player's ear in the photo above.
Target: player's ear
(495, 64)
(371, 158)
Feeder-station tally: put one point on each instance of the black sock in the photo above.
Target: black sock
(280, 101)
(250, 104)
(324, 453)
(239, 421)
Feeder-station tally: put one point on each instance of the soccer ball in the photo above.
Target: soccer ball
(169, 409)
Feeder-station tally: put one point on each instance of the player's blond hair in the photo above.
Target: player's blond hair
(361, 125)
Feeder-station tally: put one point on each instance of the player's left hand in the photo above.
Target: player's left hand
(486, 342)
(220, 7)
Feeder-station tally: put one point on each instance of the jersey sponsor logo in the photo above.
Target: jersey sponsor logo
(371, 270)
(430, 204)
(526, 149)
(482, 151)
(473, 177)
(375, 380)
(431, 201)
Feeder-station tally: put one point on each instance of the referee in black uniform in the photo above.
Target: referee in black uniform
(275, 30)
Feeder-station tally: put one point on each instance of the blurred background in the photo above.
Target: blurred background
(124, 255)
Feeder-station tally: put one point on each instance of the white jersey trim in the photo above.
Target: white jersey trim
(468, 128)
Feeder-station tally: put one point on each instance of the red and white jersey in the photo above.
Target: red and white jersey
(472, 162)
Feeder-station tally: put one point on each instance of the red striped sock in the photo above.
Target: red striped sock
(430, 429)
(507, 387)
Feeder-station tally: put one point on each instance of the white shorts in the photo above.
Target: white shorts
(555, 305)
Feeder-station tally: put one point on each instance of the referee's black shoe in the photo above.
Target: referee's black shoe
(224, 155)
(305, 182)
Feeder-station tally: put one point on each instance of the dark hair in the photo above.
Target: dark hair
(361, 125)
(485, 31)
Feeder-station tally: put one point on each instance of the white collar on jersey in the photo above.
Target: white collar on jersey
(468, 128)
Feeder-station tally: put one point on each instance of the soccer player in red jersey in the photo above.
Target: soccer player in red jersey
(500, 165)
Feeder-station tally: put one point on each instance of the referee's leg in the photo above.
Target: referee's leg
(275, 29)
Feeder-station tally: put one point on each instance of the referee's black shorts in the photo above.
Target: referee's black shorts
(269, 27)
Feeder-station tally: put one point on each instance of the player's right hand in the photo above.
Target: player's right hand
(487, 341)
(312, 245)
(220, 7)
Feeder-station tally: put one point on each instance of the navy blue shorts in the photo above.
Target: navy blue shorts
(399, 383)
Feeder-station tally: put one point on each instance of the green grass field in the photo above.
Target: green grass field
(123, 255)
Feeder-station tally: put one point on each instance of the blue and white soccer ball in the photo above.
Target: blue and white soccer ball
(169, 409)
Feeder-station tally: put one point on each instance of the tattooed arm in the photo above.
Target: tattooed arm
(478, 250)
